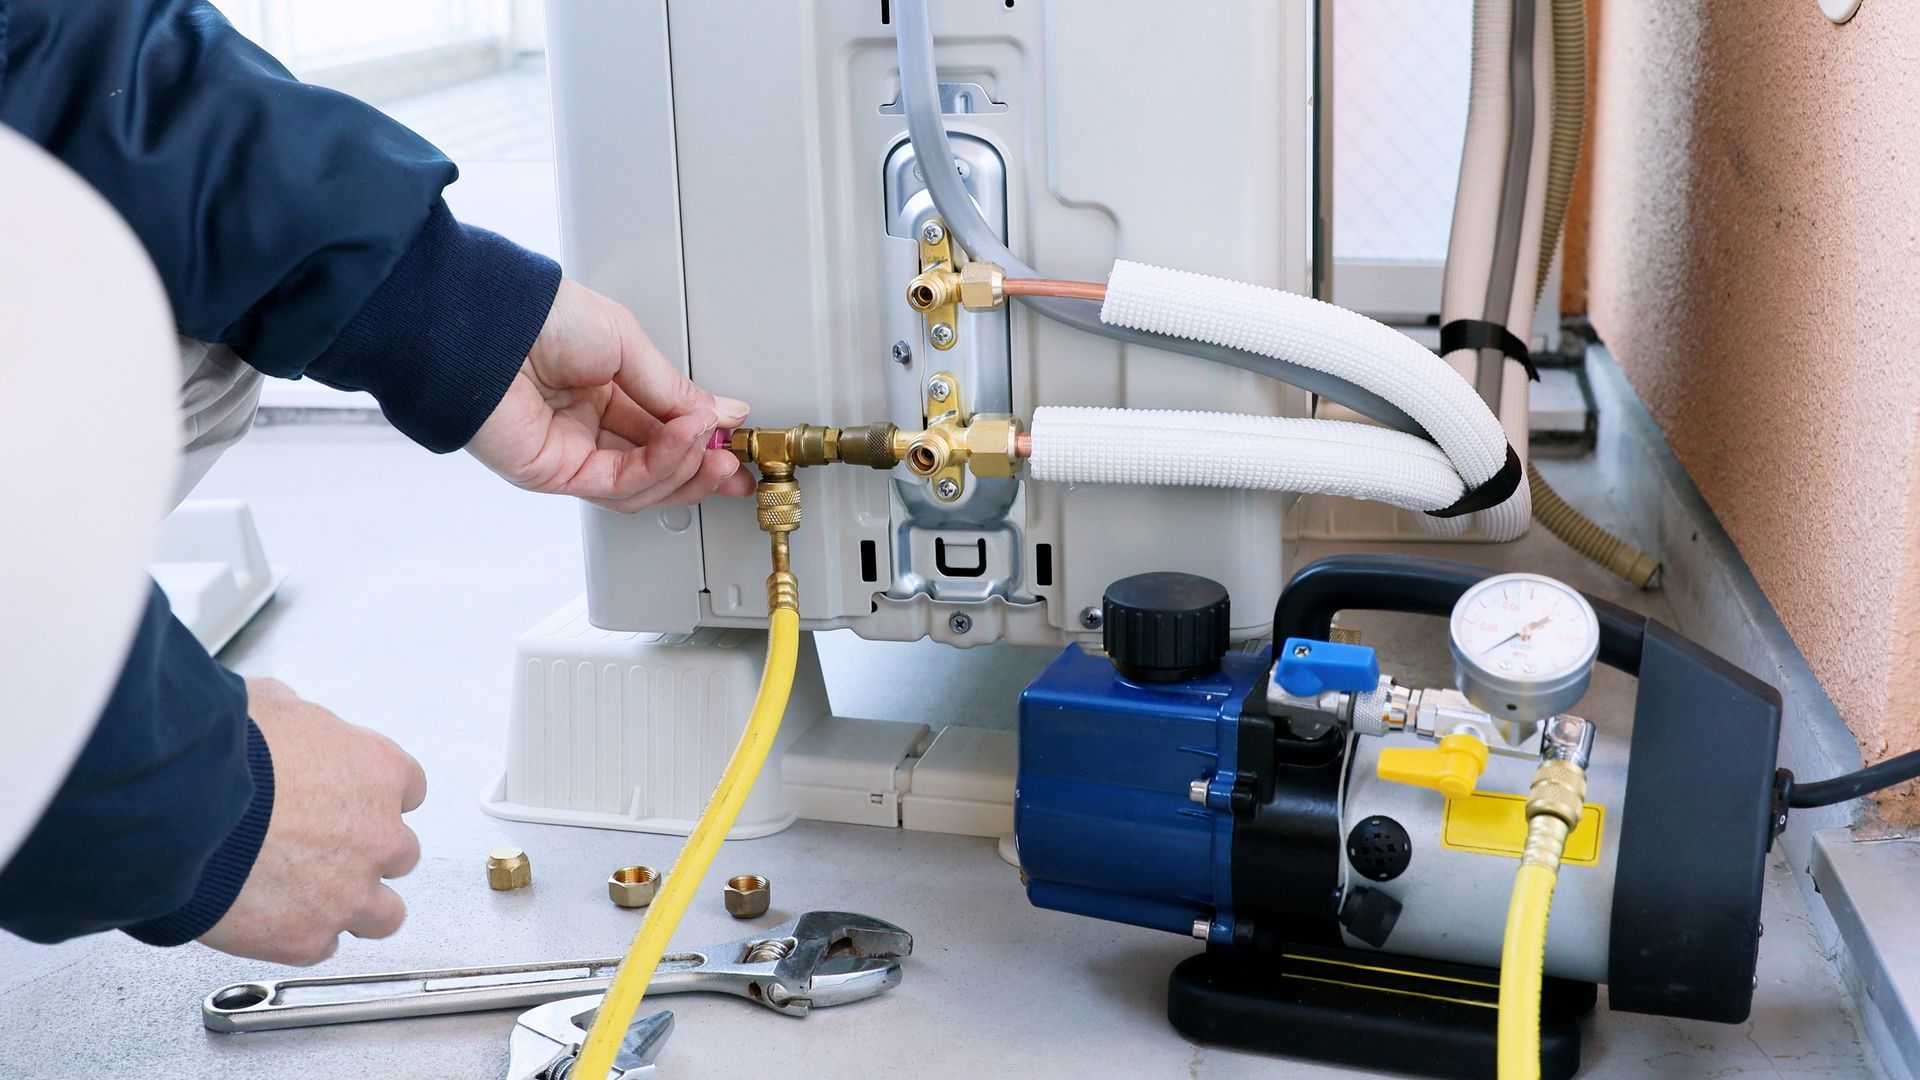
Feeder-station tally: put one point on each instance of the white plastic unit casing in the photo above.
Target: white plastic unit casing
(737, 179)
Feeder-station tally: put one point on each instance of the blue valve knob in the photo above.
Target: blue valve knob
(1308, 668)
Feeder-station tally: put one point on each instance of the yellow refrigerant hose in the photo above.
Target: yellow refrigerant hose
(1553, 809)
(779, 502)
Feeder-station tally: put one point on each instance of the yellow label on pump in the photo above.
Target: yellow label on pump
(1495, 824)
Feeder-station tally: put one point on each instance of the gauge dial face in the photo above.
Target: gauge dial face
(1524, 629)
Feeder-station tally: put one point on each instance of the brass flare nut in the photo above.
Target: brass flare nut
(633, 886)
(508, 869)
(982, 286)
(993, 446)
(748, 896)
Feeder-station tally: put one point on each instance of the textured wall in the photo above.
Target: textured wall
(1754, 265)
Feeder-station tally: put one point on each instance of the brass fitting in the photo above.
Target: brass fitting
(508, 869)
(877, 446)
(777, 501)
(977, 286)
(931, 450)
(982, 286)
(933, 288)
(993, 445)
(987, 446)
(1554, 803)
(748, 896)
(633, 886)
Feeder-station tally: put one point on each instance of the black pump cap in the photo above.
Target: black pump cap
(1165, 627)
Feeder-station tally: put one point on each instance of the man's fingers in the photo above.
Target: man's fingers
(654, 382)
(609, 475)
(405, 855)
(629, 421)
(413, 782)
(380, 916)
(719, 474)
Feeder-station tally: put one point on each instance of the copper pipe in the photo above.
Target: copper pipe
(1023, 445)
(1072, 290)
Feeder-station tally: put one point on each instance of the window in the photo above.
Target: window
(1400, 74)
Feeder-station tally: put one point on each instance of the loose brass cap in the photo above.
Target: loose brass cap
(748, 896)
(508, 869)
(633, 886)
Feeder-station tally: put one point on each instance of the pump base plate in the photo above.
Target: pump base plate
(1365, 1010)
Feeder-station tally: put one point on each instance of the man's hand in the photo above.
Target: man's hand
(339, 791)
(598, 412)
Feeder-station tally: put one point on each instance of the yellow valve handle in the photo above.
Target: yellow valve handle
(1452, 768)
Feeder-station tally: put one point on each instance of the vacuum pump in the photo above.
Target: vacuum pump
(1347, 845)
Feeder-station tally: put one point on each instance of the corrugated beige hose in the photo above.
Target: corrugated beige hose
(1639, 568)
(1563, 158)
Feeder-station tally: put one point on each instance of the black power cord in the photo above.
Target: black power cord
(1894, 770)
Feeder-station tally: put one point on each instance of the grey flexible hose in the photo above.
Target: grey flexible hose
(920, 92)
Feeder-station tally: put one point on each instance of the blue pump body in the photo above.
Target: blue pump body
(1103, 811)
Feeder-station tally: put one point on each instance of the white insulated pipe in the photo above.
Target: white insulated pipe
(1228, 450)
(1318, 335)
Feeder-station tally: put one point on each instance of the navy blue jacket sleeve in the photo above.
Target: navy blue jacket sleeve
(299, 226)
(155, 829)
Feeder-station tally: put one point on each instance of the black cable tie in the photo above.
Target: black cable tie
(1497, 489)
(1480, 334)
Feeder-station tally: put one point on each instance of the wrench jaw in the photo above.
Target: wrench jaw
(546, 1040)
(839, 956)
(820, 958)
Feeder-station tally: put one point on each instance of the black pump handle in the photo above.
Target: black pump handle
(1420, 585)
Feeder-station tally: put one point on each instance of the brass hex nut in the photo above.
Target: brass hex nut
(633, 886)
(508, 869)
(748, 896)
(981, 285)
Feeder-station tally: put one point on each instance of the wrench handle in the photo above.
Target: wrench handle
(269, 1004)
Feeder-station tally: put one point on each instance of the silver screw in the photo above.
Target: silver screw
(1092, 618)
(1301, 650)
(947, 490)
(939, 389)
(1197, 791)
(902, 353)
(960, 623)
(932, 233)
(942, 334)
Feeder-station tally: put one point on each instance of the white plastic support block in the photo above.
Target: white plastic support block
(627, 730)
(964, 784)
(854, 771)
(212, 567)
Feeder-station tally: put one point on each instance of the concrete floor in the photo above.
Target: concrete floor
(413, 574)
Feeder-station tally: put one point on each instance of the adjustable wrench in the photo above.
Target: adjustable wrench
(822, 958)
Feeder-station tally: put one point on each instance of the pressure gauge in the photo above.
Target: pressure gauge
(1523, 646)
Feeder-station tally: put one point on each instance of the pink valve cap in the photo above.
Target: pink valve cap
(720, 439)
